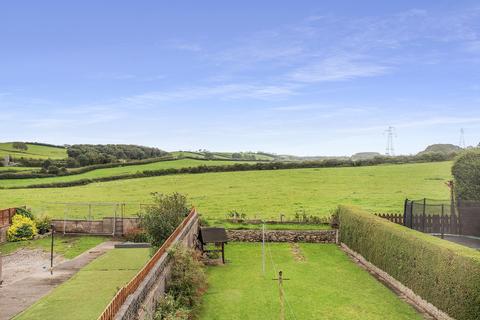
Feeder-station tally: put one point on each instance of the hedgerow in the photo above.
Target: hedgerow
(267, 165)
(443, 273)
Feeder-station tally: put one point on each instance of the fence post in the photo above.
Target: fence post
(441, 222)
(423, 214)
(405, 212)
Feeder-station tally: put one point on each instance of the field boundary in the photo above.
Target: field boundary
(143, 290)
(396, 286)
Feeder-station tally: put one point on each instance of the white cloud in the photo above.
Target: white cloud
(338, 68)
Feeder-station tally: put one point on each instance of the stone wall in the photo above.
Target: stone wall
(141, 304)
(106, 226)
(311, 236)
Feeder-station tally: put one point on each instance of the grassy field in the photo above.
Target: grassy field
(16, 169)
(323, 284)
(67, 246)
(286, 226)
(261, 194)
(89, 291)
(175, 164)
(33, 151)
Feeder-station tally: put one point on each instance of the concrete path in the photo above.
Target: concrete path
(18, 296)
(464, 240)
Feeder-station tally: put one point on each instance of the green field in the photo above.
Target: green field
(117, 171)
(33, 151)
(261, 194)
(67, 246)
(16, 169)
(323, 284)
(89, 291)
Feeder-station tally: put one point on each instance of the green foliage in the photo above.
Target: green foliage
(160, 219)
(22, 228)
(443, 273)
(43, 224)
(87, 154)
(19, 145)
(466, 172)
(24, 212)
(136, 235)
(186, 284)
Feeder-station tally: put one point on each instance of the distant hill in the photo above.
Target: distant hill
(444, 148)
(31, 150)
(365, 155)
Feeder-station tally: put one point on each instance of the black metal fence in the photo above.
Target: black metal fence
(443, 216)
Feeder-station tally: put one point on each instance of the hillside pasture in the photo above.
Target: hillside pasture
(261, 194)
(33, 152)
(117, 171)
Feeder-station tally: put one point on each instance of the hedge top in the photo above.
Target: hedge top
(402, 231)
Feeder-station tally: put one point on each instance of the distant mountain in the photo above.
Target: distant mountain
(444, 148)
(365, 155)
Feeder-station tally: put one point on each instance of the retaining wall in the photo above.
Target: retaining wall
(141, 304)
(105, 226)
(310, 236)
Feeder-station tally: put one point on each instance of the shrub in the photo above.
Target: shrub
(136, 235)
(185, 287)
(443, 273)
(22, 228)
(160, 219)
(24, 212)
(466, 172)
(43, 224)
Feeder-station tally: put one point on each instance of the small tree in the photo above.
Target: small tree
(466, 173)
(160, 219)
(20, 145)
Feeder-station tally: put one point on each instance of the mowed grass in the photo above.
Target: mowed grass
(118, 171)
(88, 292)
(261, 194)
(326, 284)
(67, 246)
(33, 151)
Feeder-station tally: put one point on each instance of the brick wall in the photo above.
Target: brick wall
(104, 226)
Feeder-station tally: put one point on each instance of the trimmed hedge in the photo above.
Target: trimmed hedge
(441, 272)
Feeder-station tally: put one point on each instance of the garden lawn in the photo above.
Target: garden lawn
(117, 171)
(325, 285)
(67, 246)
(89, 291)
(258, 194)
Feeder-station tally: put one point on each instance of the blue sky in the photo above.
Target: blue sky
(296, 77)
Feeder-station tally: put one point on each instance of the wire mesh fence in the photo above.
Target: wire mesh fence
(443, 216)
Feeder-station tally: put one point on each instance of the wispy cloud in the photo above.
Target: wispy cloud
(338, 68)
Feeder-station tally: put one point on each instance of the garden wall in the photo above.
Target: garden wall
(105, 226)
(141, 304)
(311, 236)
(445, 274)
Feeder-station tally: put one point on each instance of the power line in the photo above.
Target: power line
(391, 133)
(462, 139)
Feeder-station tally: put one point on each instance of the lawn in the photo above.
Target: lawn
(258, 194)
(67, 246)
(89, 291)
(33, 151)
(323, 284)
(99, 173)
(283, 226)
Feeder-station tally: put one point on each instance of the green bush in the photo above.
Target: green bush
(25, 212)
(136, 235)
(185, 287)
(162, 218)
(43, 224)
(443, 273)
(22, 228)
(466, 172)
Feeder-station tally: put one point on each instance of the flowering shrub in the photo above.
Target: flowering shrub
(22, 228)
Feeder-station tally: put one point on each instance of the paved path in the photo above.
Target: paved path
(466, 241)
(19, 295)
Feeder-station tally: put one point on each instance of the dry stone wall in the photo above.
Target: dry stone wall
(309, 236)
